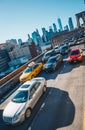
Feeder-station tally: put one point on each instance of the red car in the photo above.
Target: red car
(75, 55)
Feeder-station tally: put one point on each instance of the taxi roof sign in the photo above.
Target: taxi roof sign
(31, 64)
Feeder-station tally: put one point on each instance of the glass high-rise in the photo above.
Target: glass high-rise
(60, 24)
(4, 59)
(54, 27)
(70, 23)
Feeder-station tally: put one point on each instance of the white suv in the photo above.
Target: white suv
(23, 101)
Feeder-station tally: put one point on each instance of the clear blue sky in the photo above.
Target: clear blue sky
(20, 17)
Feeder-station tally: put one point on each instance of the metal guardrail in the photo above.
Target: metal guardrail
(9, 81)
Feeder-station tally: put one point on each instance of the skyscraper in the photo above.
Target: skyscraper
(66, 28)
(45, 35)
(70, 23)
(4, 59)
(60, 24)
(54, 27)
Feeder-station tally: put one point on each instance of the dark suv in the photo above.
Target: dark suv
(47, 55)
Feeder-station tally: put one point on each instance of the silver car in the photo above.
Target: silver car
(23, 101)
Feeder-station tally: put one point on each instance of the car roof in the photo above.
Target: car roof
(56, 56)
(75, 49)
(49, 51)
(27, 85)
(31, 64)
(53, 57)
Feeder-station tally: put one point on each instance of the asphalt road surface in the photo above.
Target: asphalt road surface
(62, 107)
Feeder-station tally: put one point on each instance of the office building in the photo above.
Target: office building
(33, 49)
(37, 40)
(50, 33)
(4, 59)
(36, 37)
(12, 43)
(54, 27)
(70, 23)
(20, 51)
(44, 35)
(19, 41)
(66, 28)
(60, 24)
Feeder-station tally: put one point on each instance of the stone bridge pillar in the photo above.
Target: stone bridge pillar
(78, 16)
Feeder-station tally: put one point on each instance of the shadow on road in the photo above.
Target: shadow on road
(65, 110)
(58, 111)
(54, 110)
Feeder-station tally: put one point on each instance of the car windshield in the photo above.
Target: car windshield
(28, 69)
(74, 52)
(51, 60)
(25, 85)
(56, 47)
(64, 48)
(47, 54)
(20, 97)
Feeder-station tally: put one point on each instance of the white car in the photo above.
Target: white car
(23, 101)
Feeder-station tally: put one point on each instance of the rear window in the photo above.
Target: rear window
(52, 60)
(48, 53)
(25, 85)
(64, 48)
(75, 52)
(28, 69)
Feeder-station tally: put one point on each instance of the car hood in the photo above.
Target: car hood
(12, 108)
(25, 75)
(49, 65)
(46, 57)
(75, 56)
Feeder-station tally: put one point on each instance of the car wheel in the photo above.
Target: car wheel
(44, 89)
(28, 113)
(32, 76)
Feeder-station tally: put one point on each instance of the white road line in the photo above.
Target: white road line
(56, 79)
(29, 128)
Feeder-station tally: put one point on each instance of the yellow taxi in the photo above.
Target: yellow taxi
(31, 71)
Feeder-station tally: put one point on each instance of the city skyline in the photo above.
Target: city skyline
(22, 17)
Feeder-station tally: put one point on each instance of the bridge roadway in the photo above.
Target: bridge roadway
(62, 107)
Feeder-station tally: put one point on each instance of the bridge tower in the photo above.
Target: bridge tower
(82, 16)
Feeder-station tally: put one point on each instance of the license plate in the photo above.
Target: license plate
(75, 61)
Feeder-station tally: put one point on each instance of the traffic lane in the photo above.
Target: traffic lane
(64, 69)
(53, 75)
(71, 113)
(58, 111)
(41, 74)
(27, 122)
(74, 83)
(51, 112)
(48, 76)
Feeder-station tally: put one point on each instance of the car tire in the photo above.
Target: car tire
(55, 67)
(44, 89)
(28, 113)
(32, 76)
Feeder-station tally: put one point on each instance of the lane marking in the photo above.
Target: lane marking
(29, 128)
(84, 121)
(41, 108)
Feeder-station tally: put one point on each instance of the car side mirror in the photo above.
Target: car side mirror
(30, 97)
